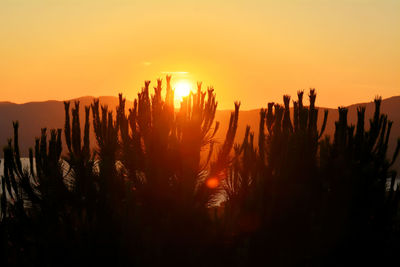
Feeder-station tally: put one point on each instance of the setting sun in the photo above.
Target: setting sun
(182, 89)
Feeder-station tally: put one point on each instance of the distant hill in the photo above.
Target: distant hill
(50, 114)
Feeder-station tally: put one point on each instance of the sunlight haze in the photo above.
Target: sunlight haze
(252, 51)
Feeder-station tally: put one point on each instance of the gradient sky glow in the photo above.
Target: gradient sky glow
(253, 51)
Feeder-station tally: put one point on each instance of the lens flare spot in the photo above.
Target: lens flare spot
(212, 183)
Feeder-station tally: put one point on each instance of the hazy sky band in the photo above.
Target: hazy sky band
(253, 51)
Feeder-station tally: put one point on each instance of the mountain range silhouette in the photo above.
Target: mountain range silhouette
(33, 116)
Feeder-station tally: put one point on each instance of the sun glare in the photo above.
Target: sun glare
(182, 89)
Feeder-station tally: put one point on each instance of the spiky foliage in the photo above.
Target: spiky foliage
(286, 185)
(152, 134)
(148, 194)
(81, 176)
(34, 206)
(15, 180)
(106, 132)
(175, 194)
(43, 186)
(358, 171)
(49, 172)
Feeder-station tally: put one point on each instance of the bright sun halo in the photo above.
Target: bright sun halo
(182, 89)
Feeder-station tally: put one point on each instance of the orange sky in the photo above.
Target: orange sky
(253, 51)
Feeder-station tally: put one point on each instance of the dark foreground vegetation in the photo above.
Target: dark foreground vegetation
(160, 191)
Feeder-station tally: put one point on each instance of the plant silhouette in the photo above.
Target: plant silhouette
(160, 189)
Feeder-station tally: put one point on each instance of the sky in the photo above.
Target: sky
(252, 51)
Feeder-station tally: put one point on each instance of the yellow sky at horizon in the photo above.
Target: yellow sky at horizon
(252, 51)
